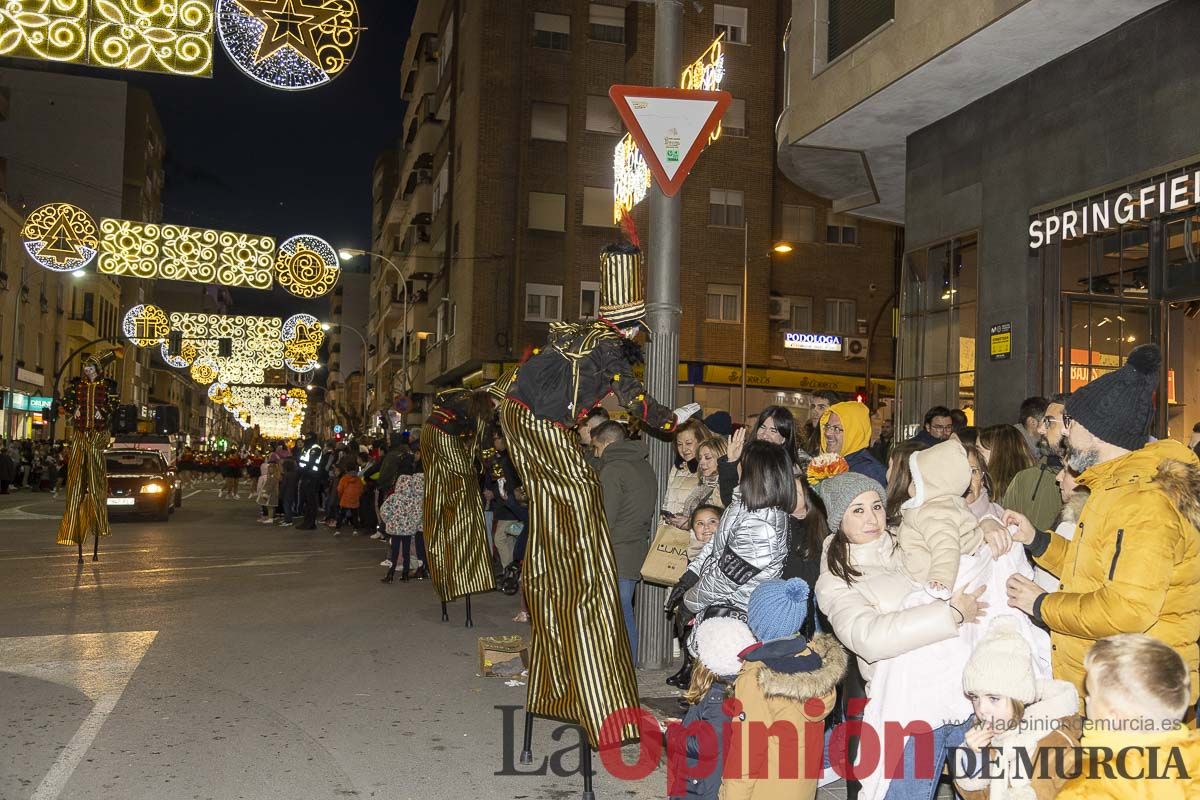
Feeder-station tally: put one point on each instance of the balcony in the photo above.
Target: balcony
(82, 328)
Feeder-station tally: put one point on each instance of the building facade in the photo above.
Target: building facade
(979, 125)
(504, 201)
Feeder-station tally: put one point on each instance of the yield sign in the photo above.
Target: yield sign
(670, 126)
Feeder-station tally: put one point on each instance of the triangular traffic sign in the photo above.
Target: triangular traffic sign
(670, 126)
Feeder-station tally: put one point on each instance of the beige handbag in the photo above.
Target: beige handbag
(667, 559)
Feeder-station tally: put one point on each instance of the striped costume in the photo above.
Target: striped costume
(455, 535)
(89, 405)
(580, 668)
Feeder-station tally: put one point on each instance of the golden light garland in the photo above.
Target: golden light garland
(175, 37)
(187, 354)
(174, 252)
(59, 236)
(146, 325)
(302, 340)
(307, 266)
(204, 371)
(289, 44)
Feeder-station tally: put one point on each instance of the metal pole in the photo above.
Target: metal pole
(663, 313)
(745, 296)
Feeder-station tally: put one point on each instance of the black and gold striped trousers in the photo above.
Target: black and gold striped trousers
(455, 536)
(581, 669)
(87, 489)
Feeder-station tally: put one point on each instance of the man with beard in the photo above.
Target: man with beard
(1033, 491)
(1133, 564)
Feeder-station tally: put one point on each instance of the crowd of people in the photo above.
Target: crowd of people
(32, 465)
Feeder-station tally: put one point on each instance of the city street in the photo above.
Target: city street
(212, 657)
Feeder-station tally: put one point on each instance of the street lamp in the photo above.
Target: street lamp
(779, 248)
(325, 326)
(348, 253)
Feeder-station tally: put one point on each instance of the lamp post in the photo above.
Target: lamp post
(779, 248)
(348, 253)
(325, 326)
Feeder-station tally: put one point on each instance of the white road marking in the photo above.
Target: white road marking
(193, 494)
(20, 513)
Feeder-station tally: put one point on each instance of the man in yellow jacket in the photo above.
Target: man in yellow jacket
(1133, 563)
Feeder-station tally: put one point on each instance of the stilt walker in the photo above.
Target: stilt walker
(89, 404)
(581, 668)
(455, 537)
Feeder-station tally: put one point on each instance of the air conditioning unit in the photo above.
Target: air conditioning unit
(855, 349)
(781, 308)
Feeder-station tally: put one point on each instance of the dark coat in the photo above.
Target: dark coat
(8, 469)
(709, 710)
(864, 463)
(630, 503)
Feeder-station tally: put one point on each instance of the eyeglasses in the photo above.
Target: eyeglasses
(834, 429)
(1067, 419)
(943, 428)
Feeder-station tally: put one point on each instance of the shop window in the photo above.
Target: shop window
(548, 121)
(799, 224)
(723, 303)
(589, 300)
(597, 207)
(606, 23)
(840, 315)
(602, 115)
(731, 21)
(938, 329)
(552, 31)
(841, 229)
(801, 319)
(734, 121)
(725, 208)
(543, 302)
(547, 211)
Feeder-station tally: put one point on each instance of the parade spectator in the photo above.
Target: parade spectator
(1073, 497)
(818, 404)
(846, 431)
(776, 425)
(1029, 423)
(1015, 715)
(1032, 491)
(978, 496)
(807, 532)
(594, 419)
(704, 523)
(958, 418)
(750, 546)
(8, 469)
(706, 483)
(938, 427)
(1006, 455)
(401, 513)
(899, 479)
(882, 447)
(630, 497)
(267, 495)
(349, 497)
(1137, 569)
(289, 488)
(1138, 692)
(968, 436)
(681, 481)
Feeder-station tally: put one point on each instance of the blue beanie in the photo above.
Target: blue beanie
(777, 609)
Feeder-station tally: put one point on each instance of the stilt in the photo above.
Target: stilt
(585, 766)
(527, 745)
(445, 616)
(470, 622)
(96, 548)
(80, 544)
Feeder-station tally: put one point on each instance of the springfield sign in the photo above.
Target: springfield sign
(1091, 217)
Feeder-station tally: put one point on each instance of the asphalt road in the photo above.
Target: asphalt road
(212, 657)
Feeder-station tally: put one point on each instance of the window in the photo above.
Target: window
(543, 302)
(840, 316)
(606, 23)
(441, 188)
(552, 31)
(725, 208)
(602, 115)
(597, 207)
(841, 229)
(851, 21)
(447, 314)
(723, 303)
(734, 121)
(801, 314)
(589, 300)
(447, 47)
(799, 223)
(547, 211)
(731, 21)
(548, 121)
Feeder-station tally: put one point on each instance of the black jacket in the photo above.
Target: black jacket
(579, 367)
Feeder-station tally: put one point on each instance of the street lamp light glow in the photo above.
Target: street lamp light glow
(346, 255)
(79, 273)
(783, 248)
(311, 387)
(325, 326)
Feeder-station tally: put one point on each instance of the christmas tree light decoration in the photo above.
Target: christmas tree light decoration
(307, 266)
(289, 44)
(302, 340)
(175, 38)
(187, 354)
(146, 325)
(219, 393)
(178, 253)
(204, 371)
(59, 236)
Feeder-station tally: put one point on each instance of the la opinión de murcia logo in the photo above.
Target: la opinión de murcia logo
(755, 740)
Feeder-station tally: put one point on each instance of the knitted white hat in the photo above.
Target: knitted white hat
(718, 642)
(1002, 663)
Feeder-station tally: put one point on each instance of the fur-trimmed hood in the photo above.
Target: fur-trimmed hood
(1180, 482)
(775, 680)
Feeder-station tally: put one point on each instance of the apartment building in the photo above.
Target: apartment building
(1011, 139)
(504, 199)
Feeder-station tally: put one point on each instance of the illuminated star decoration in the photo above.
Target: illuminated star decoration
(289, 44)
(61, 237)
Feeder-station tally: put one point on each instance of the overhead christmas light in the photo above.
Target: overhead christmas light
(289, 44)
(59, 236)
(307, 266)
(146, 325)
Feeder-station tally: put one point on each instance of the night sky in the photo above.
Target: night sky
(246, 158)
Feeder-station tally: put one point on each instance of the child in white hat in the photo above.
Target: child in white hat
(1016, 715)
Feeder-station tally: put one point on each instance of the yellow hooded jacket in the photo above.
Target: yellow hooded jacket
(856, 424)
(1159, 766)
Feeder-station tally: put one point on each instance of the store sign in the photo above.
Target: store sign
(1001, 341)
(812, 341)
(1091, 217)
(782, 379)
(40, 403)
(18, 401)
(34, 378)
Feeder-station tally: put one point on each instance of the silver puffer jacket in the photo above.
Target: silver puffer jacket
(748, 548)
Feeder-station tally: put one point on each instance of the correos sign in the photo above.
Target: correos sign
(812, 341)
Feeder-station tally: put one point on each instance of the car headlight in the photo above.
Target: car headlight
(153, 488)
